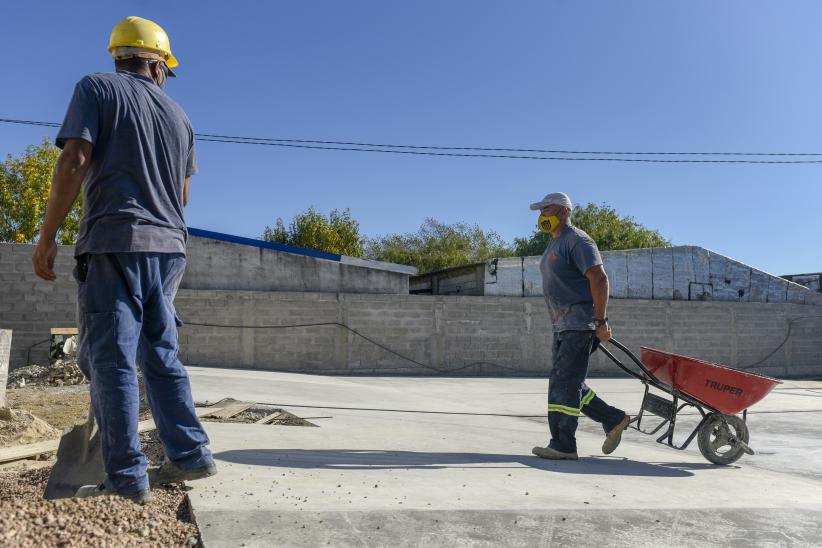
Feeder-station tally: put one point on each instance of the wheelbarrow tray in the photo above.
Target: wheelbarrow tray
(727, 390)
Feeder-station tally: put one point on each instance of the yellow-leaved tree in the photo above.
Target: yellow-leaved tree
(25, 183)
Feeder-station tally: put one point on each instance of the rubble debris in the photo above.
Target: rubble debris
(231, 410)
(19, 427)
(64, 372)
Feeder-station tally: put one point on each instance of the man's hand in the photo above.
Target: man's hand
(603, 332)
(43, 259)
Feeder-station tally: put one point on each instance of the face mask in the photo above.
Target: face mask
(547, 223)
(164, 78)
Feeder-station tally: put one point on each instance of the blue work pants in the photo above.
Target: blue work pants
(569, 396)
(125, 308)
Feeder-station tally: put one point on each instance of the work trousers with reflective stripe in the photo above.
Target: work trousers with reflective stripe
(125, 310)
(569, 396)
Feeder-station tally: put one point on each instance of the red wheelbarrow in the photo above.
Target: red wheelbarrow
(719, 393)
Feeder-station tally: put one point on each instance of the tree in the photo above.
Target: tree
(602, 223)
(25, 183)
(337, 233)
(438, 245)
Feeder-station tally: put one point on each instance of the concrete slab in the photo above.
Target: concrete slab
(457, 476)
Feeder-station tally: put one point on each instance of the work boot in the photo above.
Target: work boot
(613, 437)
(89, 491)
(168, 472)
(553, 454)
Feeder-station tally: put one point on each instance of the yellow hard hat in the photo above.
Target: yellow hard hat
(136, 32)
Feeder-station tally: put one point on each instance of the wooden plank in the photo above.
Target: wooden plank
(63, 330)
(17, 452)
(229, 409)
(273, 416)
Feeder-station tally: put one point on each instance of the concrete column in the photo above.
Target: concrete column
(5, 349)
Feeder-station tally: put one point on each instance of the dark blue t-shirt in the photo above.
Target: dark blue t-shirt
(567, 291)
(143, 151)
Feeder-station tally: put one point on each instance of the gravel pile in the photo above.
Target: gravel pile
(63, 372)
(28, 520)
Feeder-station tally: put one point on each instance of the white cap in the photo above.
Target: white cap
(555, 198)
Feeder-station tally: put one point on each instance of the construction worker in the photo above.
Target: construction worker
(576, 290)
(131, 149)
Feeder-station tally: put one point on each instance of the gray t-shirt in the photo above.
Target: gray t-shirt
(143, 151)
(567, 291)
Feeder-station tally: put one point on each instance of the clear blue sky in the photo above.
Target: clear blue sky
(599, 75)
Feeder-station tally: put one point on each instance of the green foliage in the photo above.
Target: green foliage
(337, 233)
(602, 223)
(438, 245)
(25, 183)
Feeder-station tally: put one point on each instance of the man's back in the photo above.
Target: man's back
(143, 149)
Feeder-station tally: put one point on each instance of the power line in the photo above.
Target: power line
(491, 149)
(483, 152)
(513, 157)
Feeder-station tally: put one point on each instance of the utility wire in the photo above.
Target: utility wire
(484, 152)
(427, 366)
(492, 149)
(511, 156)
(417, 411)
(779, 347)
(473, 364)
(372, 341)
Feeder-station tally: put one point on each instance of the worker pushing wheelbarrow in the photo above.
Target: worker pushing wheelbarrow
(719, 393)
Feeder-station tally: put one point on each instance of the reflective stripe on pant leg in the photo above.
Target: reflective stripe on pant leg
(586, 399)
(557, 408)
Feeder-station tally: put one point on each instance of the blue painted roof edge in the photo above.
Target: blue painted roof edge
(263, 244)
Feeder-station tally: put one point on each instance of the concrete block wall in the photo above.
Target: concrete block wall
(214, 264)
(450, 333)
(30, 306)
(445, 332)
(670, 273)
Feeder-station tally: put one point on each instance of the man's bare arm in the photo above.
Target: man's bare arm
(186, 187)
(598, 280)
(69, 173)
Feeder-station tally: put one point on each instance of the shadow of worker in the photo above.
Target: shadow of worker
(360, 459)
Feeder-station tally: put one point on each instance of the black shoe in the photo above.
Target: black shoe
(88, 491)
(168, 472)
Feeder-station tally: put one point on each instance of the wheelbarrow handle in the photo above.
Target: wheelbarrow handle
(637, 361)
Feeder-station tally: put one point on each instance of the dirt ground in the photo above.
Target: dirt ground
(60, 406)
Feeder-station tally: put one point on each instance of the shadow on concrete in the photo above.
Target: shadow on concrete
(353, 459)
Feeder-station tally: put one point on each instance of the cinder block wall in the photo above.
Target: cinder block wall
(451, 332)
(446, 332)
(682, 273)
(30, 306)
(213, 264)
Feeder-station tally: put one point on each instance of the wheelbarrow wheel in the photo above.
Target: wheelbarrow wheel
(723, 438)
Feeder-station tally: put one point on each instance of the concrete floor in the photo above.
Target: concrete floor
(389, 478)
